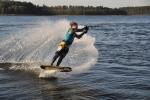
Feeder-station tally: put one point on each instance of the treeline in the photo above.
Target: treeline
(82, 10)
(137, 10)
(27, 8)
(15, 7)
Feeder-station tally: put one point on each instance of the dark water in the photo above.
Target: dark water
(122, 70)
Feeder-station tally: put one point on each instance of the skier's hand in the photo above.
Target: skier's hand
(59, 48)
(86, 28)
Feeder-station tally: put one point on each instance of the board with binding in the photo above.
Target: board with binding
(61, 69)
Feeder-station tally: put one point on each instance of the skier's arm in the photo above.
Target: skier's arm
(84, 31)
(79, 35)
(80, 30)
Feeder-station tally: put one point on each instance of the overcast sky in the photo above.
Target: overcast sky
(106, 3)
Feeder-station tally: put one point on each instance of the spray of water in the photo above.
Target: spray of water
(36, 46)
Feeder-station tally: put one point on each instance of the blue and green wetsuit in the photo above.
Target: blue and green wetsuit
(71, 34)
(68, 39)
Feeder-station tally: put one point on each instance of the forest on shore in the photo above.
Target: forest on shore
(10, 7)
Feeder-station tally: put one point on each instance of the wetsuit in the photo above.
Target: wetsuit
(63, 47)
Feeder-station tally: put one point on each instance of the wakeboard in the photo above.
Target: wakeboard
(60, 69)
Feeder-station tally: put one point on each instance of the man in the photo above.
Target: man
(63, 47)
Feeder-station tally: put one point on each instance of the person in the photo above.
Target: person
(64, 45)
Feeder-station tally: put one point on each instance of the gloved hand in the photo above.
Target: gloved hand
(61, 46)
(86, 28)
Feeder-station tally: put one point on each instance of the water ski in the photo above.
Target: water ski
(61, 69)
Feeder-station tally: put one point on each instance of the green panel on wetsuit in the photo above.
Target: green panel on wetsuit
(69, 37)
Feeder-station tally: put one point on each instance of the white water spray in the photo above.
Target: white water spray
(38, 44)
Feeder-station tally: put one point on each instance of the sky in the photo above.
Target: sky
(105, 3)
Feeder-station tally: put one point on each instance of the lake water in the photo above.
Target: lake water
(111, 62)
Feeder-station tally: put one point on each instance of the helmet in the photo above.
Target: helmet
(74, 25)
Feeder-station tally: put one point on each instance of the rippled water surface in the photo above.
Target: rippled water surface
(116, 52)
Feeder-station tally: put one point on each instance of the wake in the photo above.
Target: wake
(37, 45)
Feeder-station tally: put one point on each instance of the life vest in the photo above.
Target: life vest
(62, 44)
